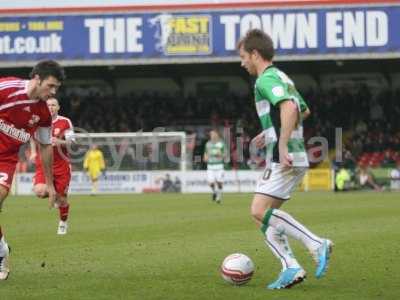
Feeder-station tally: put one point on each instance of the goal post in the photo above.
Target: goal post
(148, 160)
(134, 150)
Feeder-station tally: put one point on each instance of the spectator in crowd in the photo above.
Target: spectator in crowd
(178, 184)
(388, 159)
(376, 111)
(349, 162)
(343, 180)
(367, 179)
(395, 177)
(168, 185)
(361, 127)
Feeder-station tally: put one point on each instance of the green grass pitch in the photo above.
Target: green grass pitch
(170, 246)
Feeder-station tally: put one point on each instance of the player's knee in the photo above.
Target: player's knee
(40, 192)
(256, 212)
(62, 202)
(258, 209)
(3, 193)
(43, 194)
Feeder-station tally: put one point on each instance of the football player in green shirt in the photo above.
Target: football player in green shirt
(214, 155)
(280, 109)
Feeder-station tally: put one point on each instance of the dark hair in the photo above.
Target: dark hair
(256, 39)
(47, 68)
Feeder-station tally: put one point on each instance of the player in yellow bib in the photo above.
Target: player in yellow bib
(94, 165)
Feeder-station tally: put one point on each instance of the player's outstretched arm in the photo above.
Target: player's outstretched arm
(306, 113)
(67, 141)
(43, 137)
(46, 153)
(289, 118)
(259, 140)
(33, 153)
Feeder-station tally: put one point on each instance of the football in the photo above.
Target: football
(237, 269)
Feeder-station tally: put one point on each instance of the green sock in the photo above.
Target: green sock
(265, 220)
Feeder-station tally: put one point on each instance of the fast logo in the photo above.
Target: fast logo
(183, 34)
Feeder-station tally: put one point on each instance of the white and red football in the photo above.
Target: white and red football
(237, 269)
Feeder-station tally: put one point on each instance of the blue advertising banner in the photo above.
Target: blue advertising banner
(371, 31)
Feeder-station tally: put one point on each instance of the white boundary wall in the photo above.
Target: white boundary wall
(120, 182)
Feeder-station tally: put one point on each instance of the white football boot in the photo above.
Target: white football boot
(4, 268)
(62, 227)
(218, 199)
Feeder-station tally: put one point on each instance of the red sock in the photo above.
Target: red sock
(64, 212)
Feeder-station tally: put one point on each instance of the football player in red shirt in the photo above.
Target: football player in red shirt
(24, 113)
(62, 135)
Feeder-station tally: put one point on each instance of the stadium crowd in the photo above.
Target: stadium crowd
(369, 122)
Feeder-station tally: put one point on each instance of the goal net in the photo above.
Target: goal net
(135, 162)
(133, 151)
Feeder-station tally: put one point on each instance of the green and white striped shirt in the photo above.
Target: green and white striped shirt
(216, 154)
(272, 87)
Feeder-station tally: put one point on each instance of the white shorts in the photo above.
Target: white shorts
(215, 176)
(278, 182)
